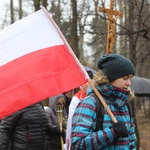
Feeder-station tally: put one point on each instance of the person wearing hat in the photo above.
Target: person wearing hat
(113, 81)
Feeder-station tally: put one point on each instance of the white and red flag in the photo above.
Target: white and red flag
(36, 62)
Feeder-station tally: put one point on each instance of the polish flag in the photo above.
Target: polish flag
(36, 62)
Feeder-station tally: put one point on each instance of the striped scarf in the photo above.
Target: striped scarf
(113, 94)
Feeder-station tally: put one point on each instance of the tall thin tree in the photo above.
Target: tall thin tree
(12, 11)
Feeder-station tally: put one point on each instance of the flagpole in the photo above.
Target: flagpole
(60, 118)
(102, 100)
(81, 67)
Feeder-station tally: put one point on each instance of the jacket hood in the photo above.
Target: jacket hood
(54, 100)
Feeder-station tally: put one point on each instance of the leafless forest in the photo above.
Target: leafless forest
(85, 29)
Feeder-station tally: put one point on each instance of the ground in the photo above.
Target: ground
(143, 124)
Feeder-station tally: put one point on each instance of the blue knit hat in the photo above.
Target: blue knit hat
(115, 66)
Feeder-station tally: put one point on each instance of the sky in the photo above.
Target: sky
(5, 11)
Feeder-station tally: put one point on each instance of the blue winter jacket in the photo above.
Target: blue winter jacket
(84, 123)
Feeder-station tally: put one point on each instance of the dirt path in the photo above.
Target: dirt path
(144, 130)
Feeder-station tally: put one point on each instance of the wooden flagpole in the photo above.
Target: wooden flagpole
(102, 100)
(84, 72)
(60, 119)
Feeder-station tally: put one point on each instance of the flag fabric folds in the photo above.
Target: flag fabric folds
(36, 62)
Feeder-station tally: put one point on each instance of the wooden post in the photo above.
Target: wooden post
(112, 17)
(102, 100)
(60, 120)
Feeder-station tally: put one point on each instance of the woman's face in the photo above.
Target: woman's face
(123, 82)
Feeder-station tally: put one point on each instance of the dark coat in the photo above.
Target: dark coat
(24, 130)
(53, 140)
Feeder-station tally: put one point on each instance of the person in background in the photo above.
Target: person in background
(74, 102)
(112, 81)
(68, 97)
(25, 129)
(54, 133)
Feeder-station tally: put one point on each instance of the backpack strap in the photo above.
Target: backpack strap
(99, 113)
(130, 110)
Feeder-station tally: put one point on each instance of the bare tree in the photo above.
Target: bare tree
(12, 11)
(37, 4)
(44, 3)
(74, 34)
(20, 9)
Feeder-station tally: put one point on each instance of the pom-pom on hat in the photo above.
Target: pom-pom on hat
(115, 66)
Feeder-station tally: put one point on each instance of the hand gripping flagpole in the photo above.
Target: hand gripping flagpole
(60, 119)
(81, 68)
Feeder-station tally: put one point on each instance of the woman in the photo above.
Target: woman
(113, 82)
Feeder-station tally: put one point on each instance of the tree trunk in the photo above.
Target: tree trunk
(20, 9)
(12, 11)
(132, 50)
(44, 3)
(36, 4)
(74, 35)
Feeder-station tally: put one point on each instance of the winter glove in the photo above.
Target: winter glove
(120, 129)
(63, 133)
(53, 130)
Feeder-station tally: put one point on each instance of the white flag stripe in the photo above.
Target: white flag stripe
(25, 42)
